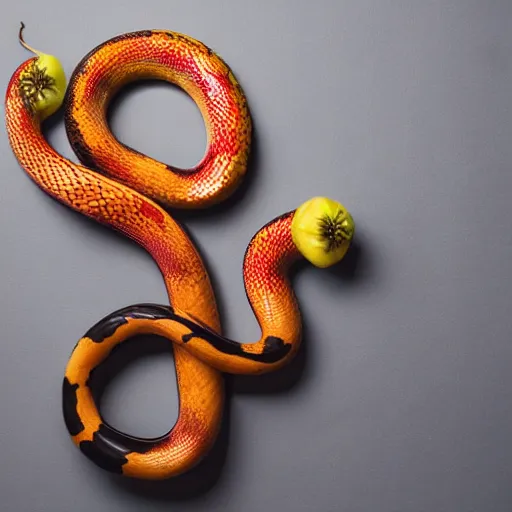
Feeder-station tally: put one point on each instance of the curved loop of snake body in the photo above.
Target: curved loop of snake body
(126, 190)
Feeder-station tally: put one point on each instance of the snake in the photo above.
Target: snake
(134, 195)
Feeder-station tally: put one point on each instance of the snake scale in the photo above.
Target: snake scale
(133, 193)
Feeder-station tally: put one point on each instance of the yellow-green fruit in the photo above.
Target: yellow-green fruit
(322, 230)
(43, 85)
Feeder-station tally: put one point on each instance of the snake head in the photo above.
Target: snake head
(42, 84)
(322, 230)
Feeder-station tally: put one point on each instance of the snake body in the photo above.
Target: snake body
(127, 191)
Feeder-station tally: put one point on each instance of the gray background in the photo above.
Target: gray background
(401, 399)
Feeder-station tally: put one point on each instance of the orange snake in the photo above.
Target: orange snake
(128, 191)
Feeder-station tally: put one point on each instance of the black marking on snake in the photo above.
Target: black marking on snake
(76, 140)
(105, 328)
(129, 35)
(274, 344)
(109, 447)
(69, 400)
(109, 325)
(274, 348)
(189, 41)
(104, 456)
(148, 311)
(125, 442)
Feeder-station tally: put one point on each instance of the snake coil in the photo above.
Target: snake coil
(128, 191)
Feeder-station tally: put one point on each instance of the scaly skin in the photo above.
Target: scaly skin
(125, 197)
(202, 74)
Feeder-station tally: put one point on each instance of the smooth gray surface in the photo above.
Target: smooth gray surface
(402, 399)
